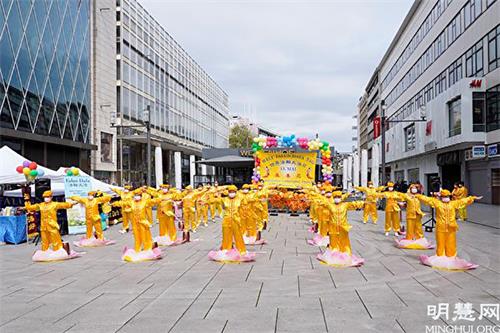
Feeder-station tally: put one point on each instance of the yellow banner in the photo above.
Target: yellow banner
(288, 169)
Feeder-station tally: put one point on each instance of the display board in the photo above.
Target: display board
(288, 169)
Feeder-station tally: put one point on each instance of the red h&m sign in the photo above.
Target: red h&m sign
(475, 84)
(428, 128)
(376, 127)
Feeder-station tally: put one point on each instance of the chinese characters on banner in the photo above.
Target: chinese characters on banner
(80, 186)
(289, 169)
(30, 216)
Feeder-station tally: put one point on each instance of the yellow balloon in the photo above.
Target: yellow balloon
(26, 171)
(75, 171)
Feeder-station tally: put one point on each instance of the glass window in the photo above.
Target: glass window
(454, 117)
(410, 137)
(493, 108)
(106, 147)
(478, 111)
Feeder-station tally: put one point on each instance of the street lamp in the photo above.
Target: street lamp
(146, 119)
(384, 121)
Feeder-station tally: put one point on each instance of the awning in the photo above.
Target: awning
(229, 161)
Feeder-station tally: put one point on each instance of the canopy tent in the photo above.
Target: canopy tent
(229, 161)
(11, 160)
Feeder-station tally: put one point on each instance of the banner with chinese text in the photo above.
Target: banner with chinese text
(289, 169)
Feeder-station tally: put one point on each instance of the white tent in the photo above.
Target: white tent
(96, 183)
(11, 160)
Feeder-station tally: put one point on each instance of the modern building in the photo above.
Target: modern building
(255, 128)
(439, 85)
(45, 104)
(137, 66)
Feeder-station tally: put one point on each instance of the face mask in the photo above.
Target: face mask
(245, 191)
(414, 190)
(390, 188)
(137, 197)
(165, 190)
(90, 197)
(370, 186)
(232, 195)
(446, 199)
(328, 195)
(47, 199)
(126, 191)
(337, 200)
(322, 192)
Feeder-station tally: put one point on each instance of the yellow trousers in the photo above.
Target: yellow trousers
(202, 214)
(215, 209)
(340, 241)
(167, 226)
(392, 221)
(370, 210)
(265, 212)
(414, 227)
(189, 219)
(251, 227)
(94, 225)
(142, 237)
(51, 238)
(230, 233)
(312, 213)
(462, 213)
(323, 228)
(446, 244)
(126, 220)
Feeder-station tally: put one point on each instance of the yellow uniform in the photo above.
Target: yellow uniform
(140, 221)
(413, 217)
(49, 228)
(125, 196)
(231, 225)
(338, 227)
(459, 193)
(202, 207)
(392, 209)
(248, 214)
(446, 223)
(92, 217)
(166, 216)
(189, 211)
(370, 207)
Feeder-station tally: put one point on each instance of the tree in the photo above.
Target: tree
(240, 137)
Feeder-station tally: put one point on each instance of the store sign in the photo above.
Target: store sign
(246, 153)
(376, 127)
(76, 186)
(478, 151)
(475, 83)
(493, 150)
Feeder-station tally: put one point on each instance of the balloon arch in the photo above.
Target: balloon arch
(263, 142)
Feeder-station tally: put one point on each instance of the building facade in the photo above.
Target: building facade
(439, 86)
(139, 66)
(255, 128)
(45, 105)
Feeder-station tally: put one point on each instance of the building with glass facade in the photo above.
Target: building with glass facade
(444, 65)
(188, 109)
(45, 80)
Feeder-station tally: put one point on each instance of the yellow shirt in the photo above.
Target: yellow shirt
(371, 193)
(412, 206)
(48, 213)
(338, 215)
(231, 211)
(91, 206)
(445, 212)
(392, 197)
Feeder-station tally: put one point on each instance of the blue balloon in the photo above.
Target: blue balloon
(40, 172)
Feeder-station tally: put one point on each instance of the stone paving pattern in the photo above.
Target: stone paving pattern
(285, 290)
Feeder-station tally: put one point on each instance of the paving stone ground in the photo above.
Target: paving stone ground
(285, 290)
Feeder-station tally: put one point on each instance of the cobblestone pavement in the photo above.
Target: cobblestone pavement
(285, 290)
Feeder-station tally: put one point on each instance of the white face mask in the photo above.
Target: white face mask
(370, 186)
(245, 191)
(137, 197)
(446, 199)
(390, 188)
(329, 194)
(47, 199)
(322, 192)
(165, 190)
(90, 197)
(126, 191)
(337, 200)
(414, 190)
(232, 195)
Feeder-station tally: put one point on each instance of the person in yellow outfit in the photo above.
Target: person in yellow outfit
(49, 228)
(460, 192)
(414, 233)
(371, 197)
(339, 251)
(143, 242)
(202, 205)
(264, 195)
(232, 231)
(92, 219)
(125, 196)
(218, 200)
(313, 218)
(166, 216)
(446, 229)
(392, 209)
(249, 217)
(189, 201)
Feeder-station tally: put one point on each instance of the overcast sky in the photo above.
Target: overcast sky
(300, 66)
